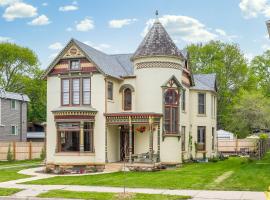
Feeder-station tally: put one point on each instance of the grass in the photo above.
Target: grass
(9, 170)
(8, 191)
(107, 196)
(246, 176)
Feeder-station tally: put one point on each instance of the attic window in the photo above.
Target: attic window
(74, 64)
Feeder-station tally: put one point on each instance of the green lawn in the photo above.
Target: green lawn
(8, 170)
(8, 191)
(246, 176)
(107, 196)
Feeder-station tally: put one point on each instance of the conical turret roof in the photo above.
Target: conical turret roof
(157, 42)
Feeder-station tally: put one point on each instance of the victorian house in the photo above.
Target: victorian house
(144, 107)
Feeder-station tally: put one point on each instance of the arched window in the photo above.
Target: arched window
(127, 99)
(171, 104)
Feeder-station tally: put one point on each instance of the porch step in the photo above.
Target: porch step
(113, 167)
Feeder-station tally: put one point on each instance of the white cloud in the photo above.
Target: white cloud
(68, 8)
(101, 47)
(56, 46)
(183, 28)
(221, 32)
(19, 10)
(44, 4)
(253, 8)
(224, 36)
(40, 21)
(7, 2)
(5, 39)
(85, 25)
(119, 23)
(266, 47)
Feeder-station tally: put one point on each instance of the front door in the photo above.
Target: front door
(124, 142)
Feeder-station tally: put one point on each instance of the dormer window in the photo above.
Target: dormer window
(74, 64)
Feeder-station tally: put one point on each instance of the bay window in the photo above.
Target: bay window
(86, 91)
(201, 132)
(201, 103)
(65, 92)
(75, 91)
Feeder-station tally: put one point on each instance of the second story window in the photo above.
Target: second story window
(127, 99)
(13, 104)
(184, 100)
(75, 64)
(110, 90)
(75, 91)
(14, 130)
(201, 104)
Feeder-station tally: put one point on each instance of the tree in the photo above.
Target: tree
(260, 67)
(250, 111)
(230, 66)
(15, 62)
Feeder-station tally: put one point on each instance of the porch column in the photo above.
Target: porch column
(106, 143)
(81, 137)
(151, 138)
(158, 142)
(130, 140)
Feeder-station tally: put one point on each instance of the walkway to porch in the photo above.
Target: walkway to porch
(127, 121)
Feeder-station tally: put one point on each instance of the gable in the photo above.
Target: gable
(73, 52)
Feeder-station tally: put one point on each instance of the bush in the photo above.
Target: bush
(263, 136)
(43, 154)
(10, 154)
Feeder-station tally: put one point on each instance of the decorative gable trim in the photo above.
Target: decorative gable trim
(172, 81)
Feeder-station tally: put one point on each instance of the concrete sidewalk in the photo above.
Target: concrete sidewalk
(31, 191)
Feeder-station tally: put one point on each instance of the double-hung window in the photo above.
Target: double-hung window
(86, 91)
(14, 130)
(183, 135)
(183, 100)
(76, 91)
(201, 103)
(201, 133)
(110, 90)
(13, 104)
(74, 65)
(65, 92)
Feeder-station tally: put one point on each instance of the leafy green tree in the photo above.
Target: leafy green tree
(250, 111)
(231, 68)
(260, 67)
(15, 61)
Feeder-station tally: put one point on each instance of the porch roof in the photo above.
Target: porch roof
(133, 114)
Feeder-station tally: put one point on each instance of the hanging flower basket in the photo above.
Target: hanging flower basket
(141, 129)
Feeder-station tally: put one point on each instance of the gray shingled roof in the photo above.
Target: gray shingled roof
(113, 65)
(157, 42)
(204, 82)
(12, 95)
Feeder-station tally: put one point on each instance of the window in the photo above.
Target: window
(69, 137)
(65, 92)
(14, 130)
(183, 132)
(213, 138)
(13, 104)
(171, 101)
(184, 100)
(201, 103)
(127, 99)
(75, 91)
(110, 90)
(213, 106)
(201, 138)
(86, 91)
(74, 64)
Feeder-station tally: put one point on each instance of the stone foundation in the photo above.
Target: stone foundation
(74, 169)
(139, 167)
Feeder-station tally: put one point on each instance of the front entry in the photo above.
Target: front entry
(124, 142)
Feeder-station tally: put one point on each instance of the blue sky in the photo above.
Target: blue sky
(118, 26)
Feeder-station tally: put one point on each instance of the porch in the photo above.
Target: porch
(132, 138)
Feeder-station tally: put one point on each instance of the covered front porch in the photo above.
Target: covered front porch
(132, 137)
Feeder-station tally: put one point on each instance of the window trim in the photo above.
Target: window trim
(72, 92)
(70, 61)
(204, 113)
(16, 130)
(204, 142)
(109, 83)
(124, 100)
(62, 92)
(86, 91)
(15, 104)
(183, 101)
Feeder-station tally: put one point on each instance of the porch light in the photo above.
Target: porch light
(268, 26)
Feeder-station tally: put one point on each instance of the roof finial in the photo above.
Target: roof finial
(156, 14)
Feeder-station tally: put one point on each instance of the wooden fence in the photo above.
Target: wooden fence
(253, 147)
(21, 150)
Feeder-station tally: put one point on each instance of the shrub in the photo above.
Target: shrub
(10, 154)
(43, 154)
(263, 136)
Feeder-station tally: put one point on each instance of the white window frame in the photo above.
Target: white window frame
(11, 106)
(16, 130)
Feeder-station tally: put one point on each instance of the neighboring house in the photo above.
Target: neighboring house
(146, 106)
(35, 132)
(13, 116)
(225, 135)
